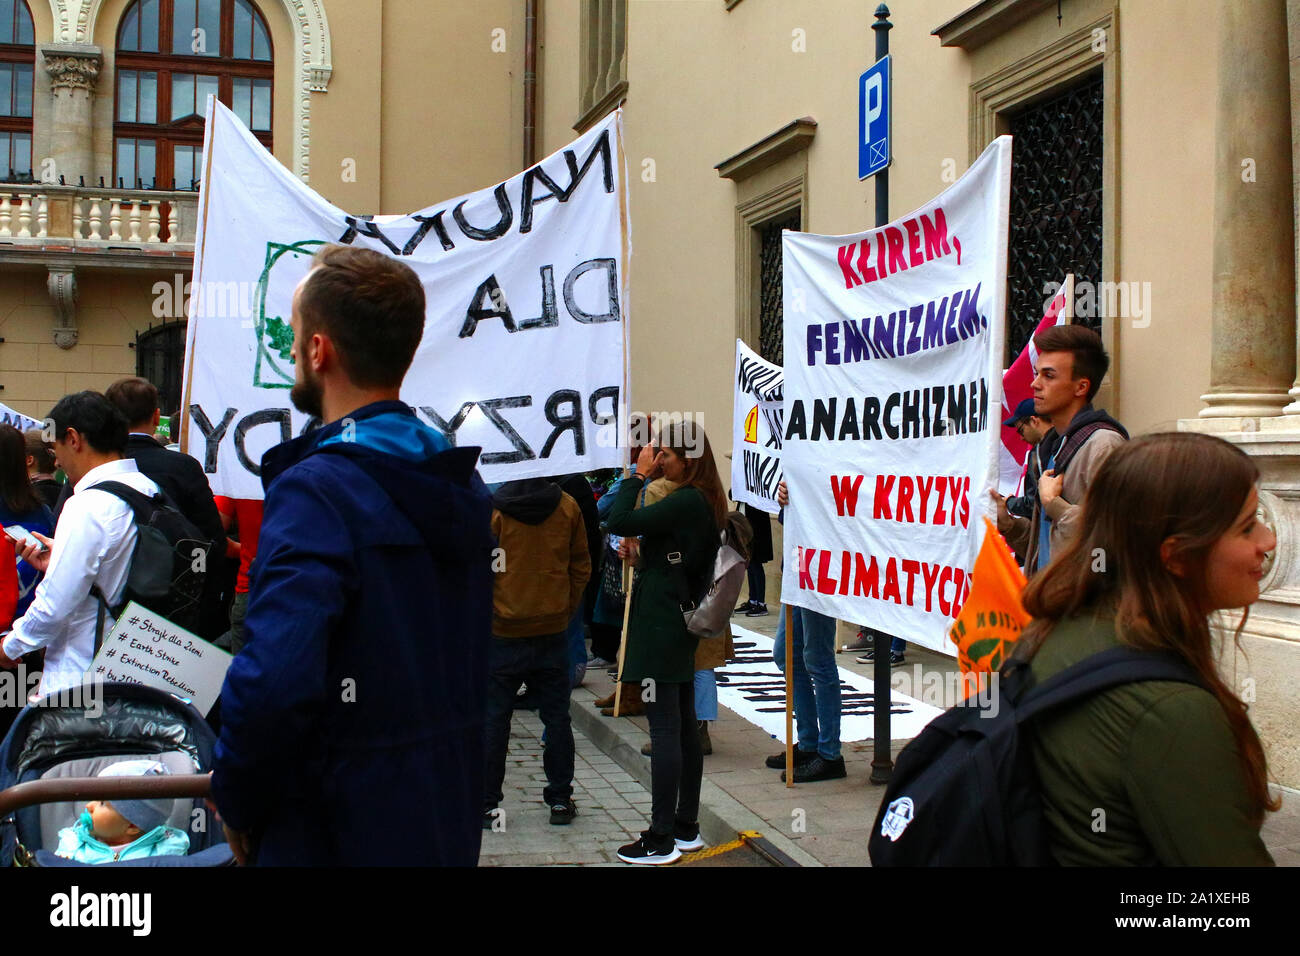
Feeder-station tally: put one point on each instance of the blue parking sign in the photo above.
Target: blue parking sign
(873, 119)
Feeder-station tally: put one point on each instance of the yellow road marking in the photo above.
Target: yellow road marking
(721, 848)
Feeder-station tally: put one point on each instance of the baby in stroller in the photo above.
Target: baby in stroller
(60, 752)
(124, 829)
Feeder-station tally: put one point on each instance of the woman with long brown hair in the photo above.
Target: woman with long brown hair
(1155, 772)
(660, 652)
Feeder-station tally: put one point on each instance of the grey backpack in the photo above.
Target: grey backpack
(709, 615)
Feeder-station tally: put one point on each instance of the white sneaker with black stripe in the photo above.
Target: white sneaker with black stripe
(643, 852)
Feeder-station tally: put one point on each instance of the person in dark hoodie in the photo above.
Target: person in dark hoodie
(543, 543)
(1070, 368)
(352, 721)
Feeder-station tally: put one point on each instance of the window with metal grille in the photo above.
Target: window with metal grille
(160, 359)
(171, 54)
(771, 328)
(1056, 222)
(17, 68)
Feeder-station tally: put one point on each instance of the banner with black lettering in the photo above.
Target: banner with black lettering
(893, 369)
(756, 430)
(526, 293)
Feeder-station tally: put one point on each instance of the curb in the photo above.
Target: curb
(722, 816)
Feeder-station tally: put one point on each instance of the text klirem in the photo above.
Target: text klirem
(897, 248)
(934, 324)
(930, 412)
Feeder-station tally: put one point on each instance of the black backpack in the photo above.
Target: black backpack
(166, 573)
(965, 793)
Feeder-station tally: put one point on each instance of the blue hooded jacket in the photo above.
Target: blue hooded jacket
(352, 721)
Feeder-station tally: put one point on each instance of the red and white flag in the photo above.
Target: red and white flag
(1017, 385)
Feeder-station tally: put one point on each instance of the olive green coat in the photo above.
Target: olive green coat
(658, 645)
(1139, 775)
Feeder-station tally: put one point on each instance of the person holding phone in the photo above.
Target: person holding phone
(685, 527)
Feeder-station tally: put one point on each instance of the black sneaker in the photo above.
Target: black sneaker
(744, 607)
(687, 837)
(777, 761)
(819, 768)
(756, 609)
(562, 814)
(655, 854)
(895, 658)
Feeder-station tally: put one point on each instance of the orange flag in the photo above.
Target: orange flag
(992, 618)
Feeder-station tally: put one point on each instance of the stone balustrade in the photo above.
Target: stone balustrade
(91, 217)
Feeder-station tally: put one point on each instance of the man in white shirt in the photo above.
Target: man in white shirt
(93, 543)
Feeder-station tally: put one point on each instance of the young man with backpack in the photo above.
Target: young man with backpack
(1071, 366)
(92, 547)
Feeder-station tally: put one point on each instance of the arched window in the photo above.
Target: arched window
(17, 66)
(160, 359)
(171, 54)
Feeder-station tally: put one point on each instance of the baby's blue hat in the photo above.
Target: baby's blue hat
(144, 813)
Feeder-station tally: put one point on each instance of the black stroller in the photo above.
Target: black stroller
(53, 753)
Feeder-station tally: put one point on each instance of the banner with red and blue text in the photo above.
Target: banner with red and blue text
(893, 374)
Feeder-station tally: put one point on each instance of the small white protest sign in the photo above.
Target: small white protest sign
(145, 648)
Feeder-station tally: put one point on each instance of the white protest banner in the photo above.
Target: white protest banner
(17, 419)
(146, 648)
(525, 286)
(756, 430)
(893, 367)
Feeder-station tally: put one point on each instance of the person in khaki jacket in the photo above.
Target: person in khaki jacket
(1070, 367)
(543, 544)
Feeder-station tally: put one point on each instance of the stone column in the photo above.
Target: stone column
(74, 70)
(1253, 351)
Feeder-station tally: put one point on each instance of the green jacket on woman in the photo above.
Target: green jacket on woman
(658, 645)
(1143, 774)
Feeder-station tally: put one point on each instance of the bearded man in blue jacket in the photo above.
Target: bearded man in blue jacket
(352, 721)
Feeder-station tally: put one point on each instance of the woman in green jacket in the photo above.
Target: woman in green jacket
(660, 652)
(1156, 772)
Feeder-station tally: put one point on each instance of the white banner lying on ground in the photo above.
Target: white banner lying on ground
(526, 301)
(17, 419)
(755, 690)
(146, 648)
(893, 368)
(756, 430)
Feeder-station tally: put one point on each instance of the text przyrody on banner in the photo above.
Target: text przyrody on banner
(893, 379)
(757, 411)
(526, 290)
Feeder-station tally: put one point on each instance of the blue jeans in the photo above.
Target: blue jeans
(542, 662)
(816, 680)
(577, 650)
(706, 695)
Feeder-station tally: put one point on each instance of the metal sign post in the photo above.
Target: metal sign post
(882, 760)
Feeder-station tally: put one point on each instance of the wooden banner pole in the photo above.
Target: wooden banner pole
(622, 641)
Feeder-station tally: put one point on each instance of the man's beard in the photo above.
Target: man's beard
(307, 395)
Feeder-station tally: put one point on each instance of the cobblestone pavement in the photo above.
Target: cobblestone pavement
(613, 808)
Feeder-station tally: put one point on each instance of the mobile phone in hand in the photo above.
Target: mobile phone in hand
(22, 537)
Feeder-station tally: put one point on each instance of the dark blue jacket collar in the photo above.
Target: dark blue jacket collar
(279, 458)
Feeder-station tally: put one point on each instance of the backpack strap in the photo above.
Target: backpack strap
(1102, 671)
(142, 508)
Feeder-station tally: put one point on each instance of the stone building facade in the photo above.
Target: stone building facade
(1156, 147)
